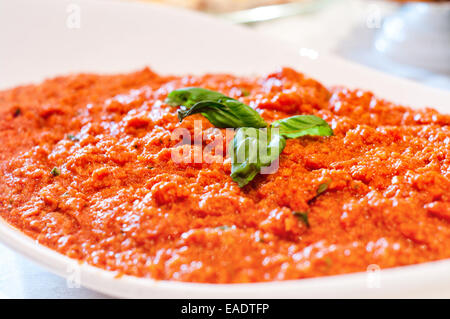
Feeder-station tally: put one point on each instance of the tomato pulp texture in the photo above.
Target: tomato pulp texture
(86, 169)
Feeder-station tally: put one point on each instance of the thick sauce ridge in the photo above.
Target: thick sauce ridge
(121, 203)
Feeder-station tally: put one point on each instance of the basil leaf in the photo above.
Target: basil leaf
(300, 125)
(252, 149)
(192, 95)
(222, 111)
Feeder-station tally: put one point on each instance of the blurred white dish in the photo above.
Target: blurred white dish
(115, 37)
(418, 34)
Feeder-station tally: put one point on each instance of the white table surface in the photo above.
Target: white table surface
(341, 28)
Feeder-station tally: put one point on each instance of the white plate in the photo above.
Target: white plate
(36, 43)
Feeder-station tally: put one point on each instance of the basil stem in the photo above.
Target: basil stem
(221, 110)
(252, 149)
(300, 125)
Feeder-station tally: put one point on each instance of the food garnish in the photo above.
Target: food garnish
(256, 144)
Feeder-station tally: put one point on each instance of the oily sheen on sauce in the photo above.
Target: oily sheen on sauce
(86, 170)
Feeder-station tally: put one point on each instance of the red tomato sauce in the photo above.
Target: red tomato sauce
(119, 202)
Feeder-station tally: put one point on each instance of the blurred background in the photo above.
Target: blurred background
(406, 39)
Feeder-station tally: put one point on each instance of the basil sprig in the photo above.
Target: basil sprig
(255, 144)
(252, 149)
(301, 125)
(221, 110)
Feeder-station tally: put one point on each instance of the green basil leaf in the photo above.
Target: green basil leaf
(301, 125)
(192, 95)
(252, 149)
(222, 111)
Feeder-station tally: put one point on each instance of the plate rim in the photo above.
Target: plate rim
(126, 286)
(129, 286)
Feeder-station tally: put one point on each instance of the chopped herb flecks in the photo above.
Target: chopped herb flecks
(245, 92)
(17, 112)
(72, 137)
(303, 217)
(55, 171)
(323, 187)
